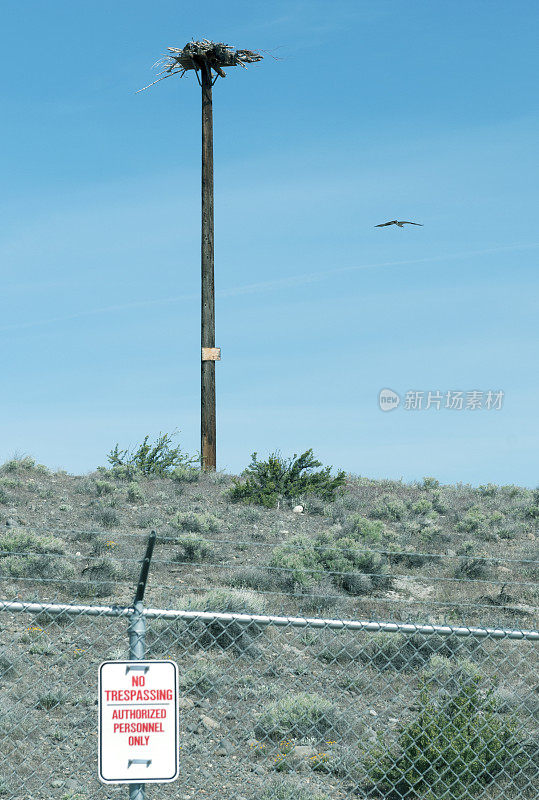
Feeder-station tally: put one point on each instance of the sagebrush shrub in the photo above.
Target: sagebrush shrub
(471, 568)
(473, 520)
(403, 652)
(192, 548)
(362, 529)
(488, 490)
(23, 464)
(298, 560)
(289, 791)
(298, 715)
(18, 541)
(253, 578)
(354, 568)
(102, 577)
(8, 669)
(267, 482)
(105, 516)
(185, 474)
(103, 488)
(27, 555)
(448, 675)
(134, 493)
(36, 566)
(50, 700)
(237, 636)
(423, 506)
(195, 523)
(390, 508)
(345, 559)
(201, 679)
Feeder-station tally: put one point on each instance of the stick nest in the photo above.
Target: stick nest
(216, 54)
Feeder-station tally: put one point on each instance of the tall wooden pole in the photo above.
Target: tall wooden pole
(207, 382)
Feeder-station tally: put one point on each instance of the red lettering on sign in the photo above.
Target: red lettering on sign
(138, 680)
(138, 741)
(136, 695)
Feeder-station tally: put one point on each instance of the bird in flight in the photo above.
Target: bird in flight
(399, 223)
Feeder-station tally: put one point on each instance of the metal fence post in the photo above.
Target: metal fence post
(137, 639)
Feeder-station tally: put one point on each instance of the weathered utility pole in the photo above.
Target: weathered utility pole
(203, 57)
(207, 319)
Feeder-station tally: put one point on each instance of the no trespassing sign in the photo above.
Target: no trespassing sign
(138, 722)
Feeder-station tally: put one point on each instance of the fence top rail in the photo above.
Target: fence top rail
(372, 626)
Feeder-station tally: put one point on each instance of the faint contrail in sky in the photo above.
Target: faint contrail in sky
(294, 280)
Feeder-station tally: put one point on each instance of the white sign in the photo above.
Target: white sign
(138, 722)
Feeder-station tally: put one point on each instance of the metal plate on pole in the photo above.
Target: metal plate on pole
(211, 354)
(138, 722)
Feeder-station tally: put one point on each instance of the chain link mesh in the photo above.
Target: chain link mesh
(278, 708)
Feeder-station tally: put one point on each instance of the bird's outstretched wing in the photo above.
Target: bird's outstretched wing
(405, 222)
(383, 224)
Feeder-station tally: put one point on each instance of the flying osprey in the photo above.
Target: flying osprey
(396, 222)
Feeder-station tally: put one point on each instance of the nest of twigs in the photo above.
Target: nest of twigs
(193, 56)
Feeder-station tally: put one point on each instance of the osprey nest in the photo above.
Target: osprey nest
(215, 54)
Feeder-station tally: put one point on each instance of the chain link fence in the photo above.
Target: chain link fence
(277, 707)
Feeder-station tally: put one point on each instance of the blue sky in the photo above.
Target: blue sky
(374, 111)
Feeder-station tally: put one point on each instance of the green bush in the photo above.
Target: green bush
(220, 633)
(404, 652)
(103, 488)
(202, 679)
(249, 514)
(299, 561)
(430, 483)
(23, 464)
(454, 747)
(18, 541)
(351, 566)
(158, 459)
(470, 567)
(102, 577)
(50, 700)
(364, 530)
(253, 578)
(511, 491)
(473, 520)
(134, 494)
(8, 669)
(268, 482)
(195, 523)
(298, 715)
(147, 519)
(315, 506)
(105, 516)
(288, 790)
(36, 566)
(192, 548)
(390, 508)
(532, 512)
(33, 556)
(449, 676)
(438, 504)
(185, 474)
(423, 506)
(488, 490)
